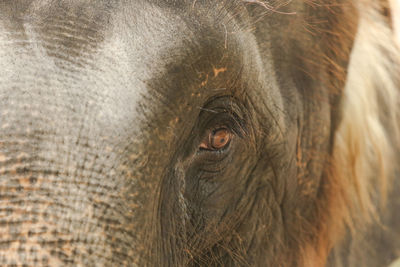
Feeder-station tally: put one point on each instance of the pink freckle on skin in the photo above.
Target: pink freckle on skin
(5, 126)
(205, 81)
(218, 71)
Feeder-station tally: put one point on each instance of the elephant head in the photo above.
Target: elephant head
(169, 133)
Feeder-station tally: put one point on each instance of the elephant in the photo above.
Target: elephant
(199, 133)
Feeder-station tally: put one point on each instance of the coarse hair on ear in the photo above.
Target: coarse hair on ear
(368, 136)
(367, 139)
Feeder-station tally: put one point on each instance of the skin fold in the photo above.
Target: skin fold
(198, 133)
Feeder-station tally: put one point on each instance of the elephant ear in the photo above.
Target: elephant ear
(395, 13)
(368, 137)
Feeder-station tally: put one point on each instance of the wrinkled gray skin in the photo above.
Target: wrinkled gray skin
(103, 105)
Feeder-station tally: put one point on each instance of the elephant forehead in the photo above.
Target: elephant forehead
(76, 60)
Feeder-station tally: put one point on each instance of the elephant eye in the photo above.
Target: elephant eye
(217, 139)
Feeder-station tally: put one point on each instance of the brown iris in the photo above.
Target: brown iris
(217, 139)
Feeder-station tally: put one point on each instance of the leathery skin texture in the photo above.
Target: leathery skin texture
(197, 133)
